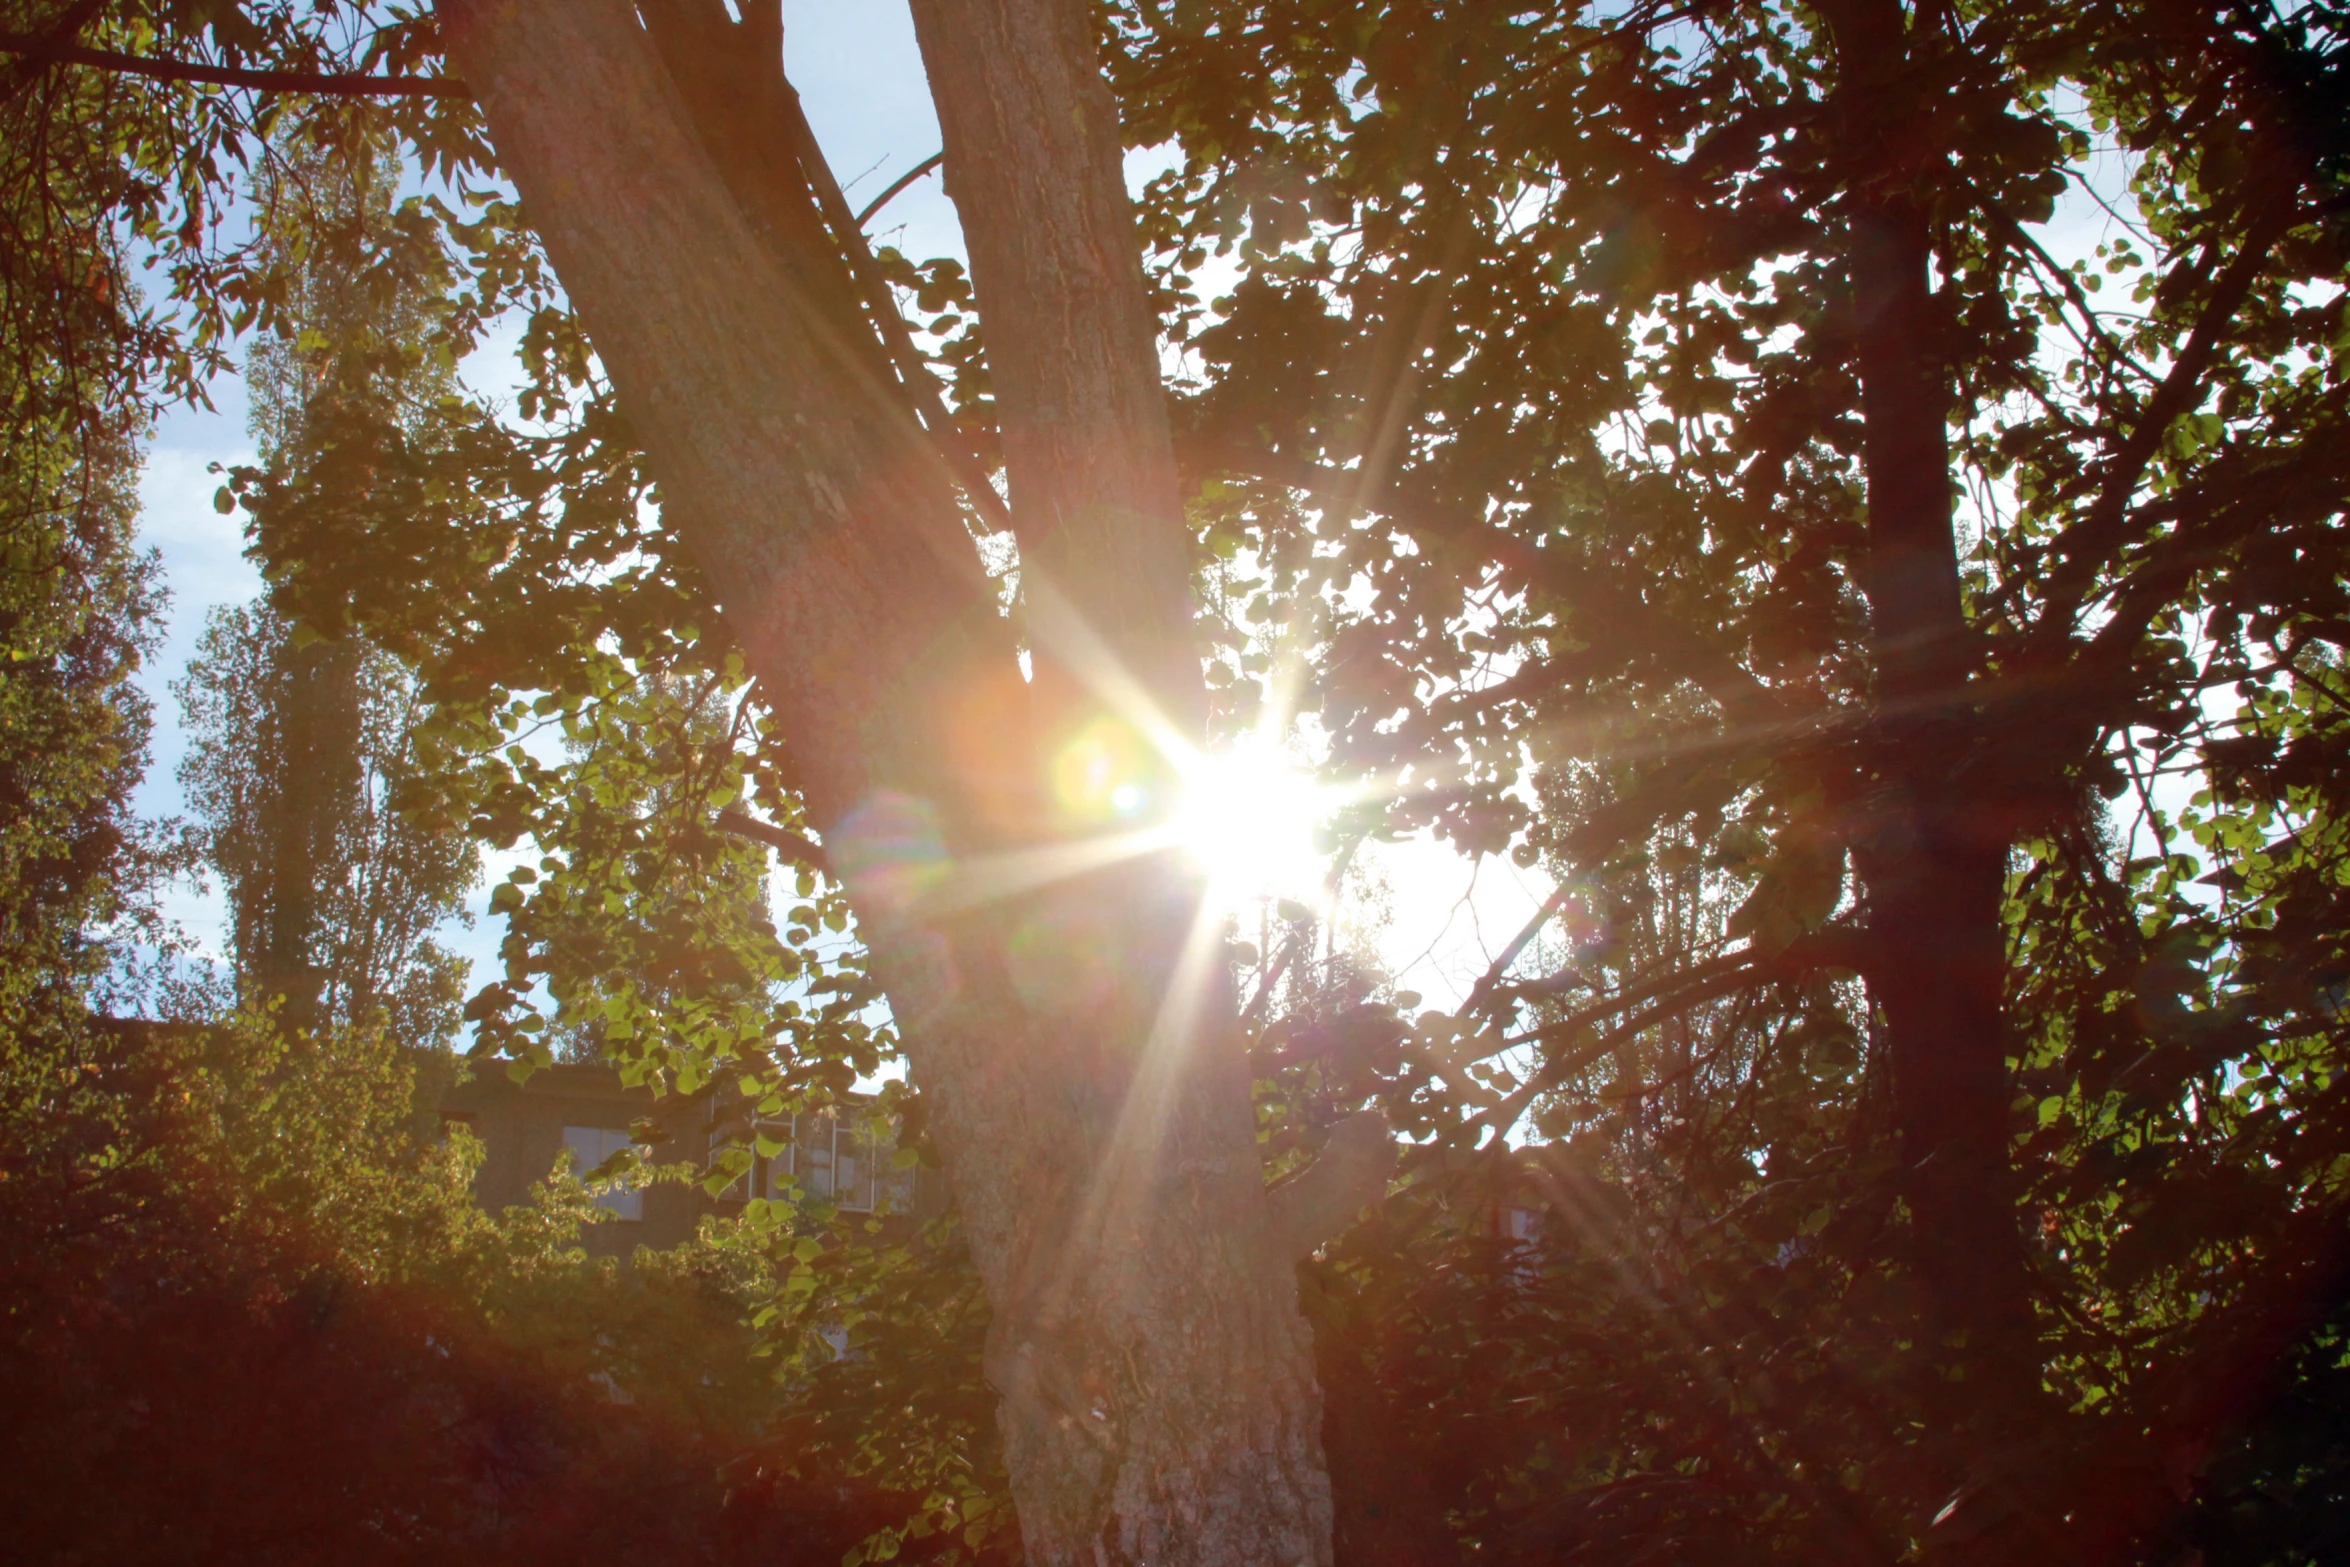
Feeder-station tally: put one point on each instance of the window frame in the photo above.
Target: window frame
(626, 1200)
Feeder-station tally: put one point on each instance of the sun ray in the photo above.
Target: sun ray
(1245, 820)
(1130, 1161)
(988, 878)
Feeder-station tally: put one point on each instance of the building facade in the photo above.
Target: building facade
(583, 1114)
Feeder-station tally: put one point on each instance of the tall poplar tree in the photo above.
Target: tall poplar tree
(301, 739)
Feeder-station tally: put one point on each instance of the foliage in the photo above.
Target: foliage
(372, 888)
(301, 748)
(1531, 393)
(77, 598)
(250, 1304)
(76, 605)
(880, 1324)
(252, 1308)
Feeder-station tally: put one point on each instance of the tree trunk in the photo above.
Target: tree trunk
(1076, 1043)
(305, 809)
(1035, 166)
(1936, 873)
(1935, 860)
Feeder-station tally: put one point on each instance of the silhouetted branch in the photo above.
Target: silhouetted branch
(340, 84)
(782, 839)
(898, 184)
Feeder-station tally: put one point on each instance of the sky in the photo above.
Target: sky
(1437, 918)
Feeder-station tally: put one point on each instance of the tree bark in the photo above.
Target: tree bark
(1934, 862)
(1035, 167)
(1076, 1044)
(304, 810)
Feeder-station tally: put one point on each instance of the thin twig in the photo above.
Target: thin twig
(1518, 943)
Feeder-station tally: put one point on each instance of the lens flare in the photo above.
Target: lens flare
(1246, 817)
(1250, 820)
(1103, 776)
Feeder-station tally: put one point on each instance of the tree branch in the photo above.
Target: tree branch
(1688, 988)
(1483, 990)
(63, 31)
(2020, 238)
(2081, 548)
(333, 84)
(790, 844)
(899, 184)
(1633, 995)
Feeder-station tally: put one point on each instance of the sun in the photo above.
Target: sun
(1245, 815)
(1250, 819)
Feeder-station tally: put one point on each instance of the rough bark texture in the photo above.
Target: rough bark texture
(1034, 164)
(1935, 858)
(1162, 1303)
(1076, 1044)
(796, 479)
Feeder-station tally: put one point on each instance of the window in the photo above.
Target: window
(770, 1175)
(590, 1146)
(829, 1160)
(849, 1158)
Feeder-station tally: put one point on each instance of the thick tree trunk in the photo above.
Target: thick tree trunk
(1936, 857)
(1089, 1097)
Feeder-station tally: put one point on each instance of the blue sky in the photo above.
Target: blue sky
(860, 80)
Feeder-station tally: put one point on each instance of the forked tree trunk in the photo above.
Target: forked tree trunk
(1034, 164)
(1076, 1043)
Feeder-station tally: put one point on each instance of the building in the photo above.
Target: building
(585, 1113)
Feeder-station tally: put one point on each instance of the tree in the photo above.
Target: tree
(1728, 451)
(1157, 1397)
(301, 741)
(297, 759)
(78, 599)
(1162, 1403)
(1618, 360)
(77, 602)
